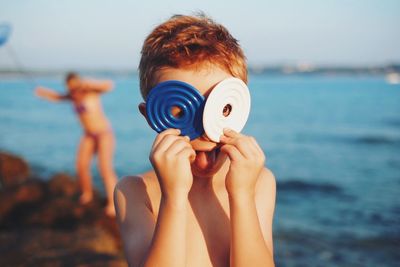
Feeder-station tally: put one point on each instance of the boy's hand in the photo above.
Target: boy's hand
(247, 161)
(171, 156)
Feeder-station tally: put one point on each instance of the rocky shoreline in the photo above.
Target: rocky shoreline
(42, 222)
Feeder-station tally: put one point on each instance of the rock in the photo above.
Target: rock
(33, 190)
(56, 213)
(84, 246)
(13, 170)
(62, 185)
(18, 201)
(42, 222)
(7, 201)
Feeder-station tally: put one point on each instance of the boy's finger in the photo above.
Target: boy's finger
(232, 139)
(189, 153)
(256, 146)
(249, 147)
(232, 152)
(229, 136)
(167, 141)
(226, 140)
(177, 146)
(231, 133)
(161, 135)
(242, 143)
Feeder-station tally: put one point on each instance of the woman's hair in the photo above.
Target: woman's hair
(70, 76)
(189, 41)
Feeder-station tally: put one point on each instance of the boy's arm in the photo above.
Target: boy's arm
(249, 247)
(135, 219)
(265, 203)
(50, 94)
(161, 243)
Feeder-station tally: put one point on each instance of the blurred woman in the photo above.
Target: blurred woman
(97, 133)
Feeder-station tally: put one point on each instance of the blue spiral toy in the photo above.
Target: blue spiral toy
(176, 94)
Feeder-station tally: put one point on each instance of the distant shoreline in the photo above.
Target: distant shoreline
(299, 69)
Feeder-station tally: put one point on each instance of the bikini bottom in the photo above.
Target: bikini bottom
(96, 135)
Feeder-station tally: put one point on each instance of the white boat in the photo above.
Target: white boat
(393, 78)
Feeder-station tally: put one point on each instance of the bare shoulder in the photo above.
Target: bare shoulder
(135, 214)
(266, 183)
(136, 183)
(135, 190)
(130, 190)
(130, 186)
(266, 194)
(265, 203)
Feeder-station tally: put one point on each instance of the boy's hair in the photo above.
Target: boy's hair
(185, 41)
(70, 76)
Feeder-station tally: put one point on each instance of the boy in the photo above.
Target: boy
(204, 204)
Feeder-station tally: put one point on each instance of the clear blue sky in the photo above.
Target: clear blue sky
(109, 34)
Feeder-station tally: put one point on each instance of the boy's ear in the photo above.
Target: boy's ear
(142, 109)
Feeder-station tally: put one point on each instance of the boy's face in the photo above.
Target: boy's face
(204, 79)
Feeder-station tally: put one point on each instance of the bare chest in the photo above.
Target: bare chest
(208, 238)
(207, 227)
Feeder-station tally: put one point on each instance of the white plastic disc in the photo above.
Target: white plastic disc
(227, 106)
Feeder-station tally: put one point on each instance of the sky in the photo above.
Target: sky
(108, 34)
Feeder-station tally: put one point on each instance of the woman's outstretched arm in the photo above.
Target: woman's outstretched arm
(100, 86)
(50, 94)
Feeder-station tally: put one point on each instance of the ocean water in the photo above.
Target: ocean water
(333, 144)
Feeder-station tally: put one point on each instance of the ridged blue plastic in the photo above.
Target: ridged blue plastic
(166, 95)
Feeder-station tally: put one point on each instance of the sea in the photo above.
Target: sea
(333, 143)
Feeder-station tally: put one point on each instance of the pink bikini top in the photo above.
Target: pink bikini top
(80, 108)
